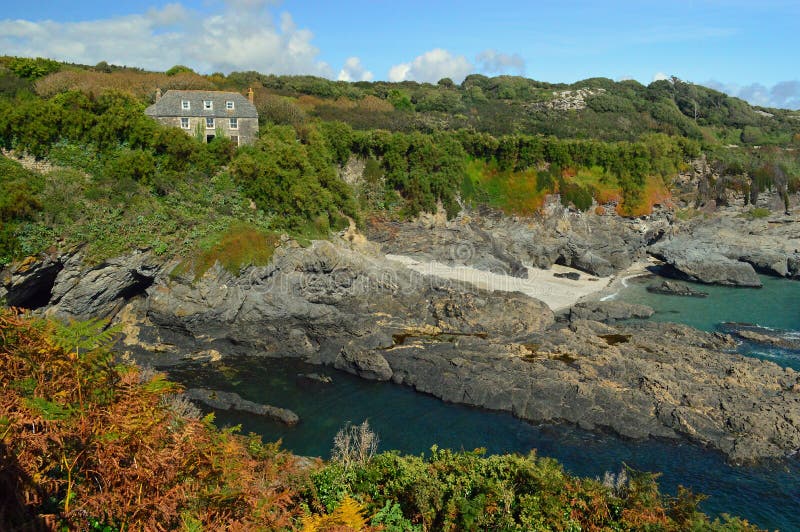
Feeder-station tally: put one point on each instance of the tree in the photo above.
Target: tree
(103, 66)
(446, 83)
(179, 69)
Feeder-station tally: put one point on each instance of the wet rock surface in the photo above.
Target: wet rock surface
(763, 335)
(233, 401)
(672, 288)
(608, 311)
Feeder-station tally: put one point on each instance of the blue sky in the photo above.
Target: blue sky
(745, 48)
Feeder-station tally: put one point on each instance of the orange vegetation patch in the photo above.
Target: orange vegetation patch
(85, 443)
(374, 104)
(142, 85)
(522, 198)
(607, 195)
(654, 193)
(240, 246)
(307, 102)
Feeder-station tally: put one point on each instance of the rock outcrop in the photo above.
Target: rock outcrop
(608, 311)
(71, 290)
(598, 245)
(672, 288)
(650, 380)
(343, 304)
(730, 249)
(703, 265)
(789, 340)
(233, 401)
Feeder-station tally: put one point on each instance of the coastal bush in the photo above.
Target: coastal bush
(19, 202)
(757, 212)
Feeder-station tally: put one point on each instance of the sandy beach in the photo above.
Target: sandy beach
(558, 293)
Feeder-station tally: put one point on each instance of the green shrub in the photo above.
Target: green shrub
(757, 212)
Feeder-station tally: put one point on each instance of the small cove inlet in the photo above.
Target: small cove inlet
(768, 494)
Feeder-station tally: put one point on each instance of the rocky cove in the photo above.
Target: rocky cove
(341, 303)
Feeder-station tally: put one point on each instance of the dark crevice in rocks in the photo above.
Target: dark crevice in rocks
(655, 237)
(400, 338)
(138, 287)
(615, 339)
(35, 292)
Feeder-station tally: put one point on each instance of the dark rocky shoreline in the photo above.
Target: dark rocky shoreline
(344, 305)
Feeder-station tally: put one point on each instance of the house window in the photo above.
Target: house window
(208, 105)
(229, 105)
(185, 123)
(209, 123)
(235, 140)
(234, 123)
(185, 105)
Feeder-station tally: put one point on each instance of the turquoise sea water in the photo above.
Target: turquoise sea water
(768, 495)
(776, 305)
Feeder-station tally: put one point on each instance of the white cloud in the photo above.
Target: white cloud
(242, 35)
(494, 62)
(433, 66)
(660, 76)
(784, 94)
(353, 70)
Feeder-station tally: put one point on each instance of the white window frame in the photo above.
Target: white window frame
(208, 105)
(235, 139)
(229, 105)
(186, 105)
(210, 123)
(233, 123)
(184, 123)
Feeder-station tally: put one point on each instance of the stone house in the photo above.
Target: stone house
(208, 114)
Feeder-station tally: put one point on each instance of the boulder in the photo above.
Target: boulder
(672, 288)
(702, 265)
(572, 276)
(367, 364)
(608, 311)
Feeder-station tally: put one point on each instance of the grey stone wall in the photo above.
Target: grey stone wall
(247, 131)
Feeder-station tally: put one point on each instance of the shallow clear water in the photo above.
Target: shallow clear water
(776, 305)
(767, 495)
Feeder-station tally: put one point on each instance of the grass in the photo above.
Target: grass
(511, 192)
(604, 185)
(757, 213)
(517, 192)
(687, 214)
(239, 246)
(654, 193)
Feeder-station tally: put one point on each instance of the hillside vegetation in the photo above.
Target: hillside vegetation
(89, 444)
(119, 180)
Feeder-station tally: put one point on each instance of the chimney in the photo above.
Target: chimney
(250, 94)
(158, 94)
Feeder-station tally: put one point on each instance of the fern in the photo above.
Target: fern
(349, 514)
(83, 336)
(50, 411)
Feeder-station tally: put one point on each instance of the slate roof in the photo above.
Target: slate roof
(170, 105)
